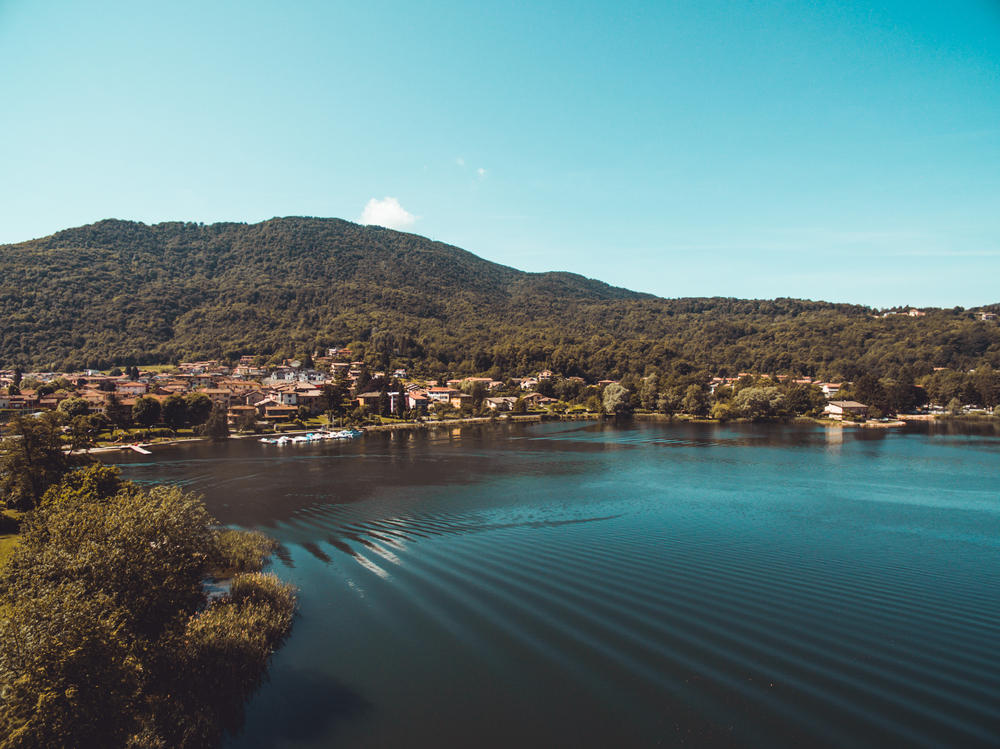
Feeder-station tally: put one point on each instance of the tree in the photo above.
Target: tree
(174, 411)
(216, 425)
(805, 399)
(871, 392)
(84, 430)
(759, 403)
(72, 407)
(108, 635)
(649, 388)
(146, 411)
(199, 406)
(616, 399)
(247, 422)
(695, 401)
(31, 459)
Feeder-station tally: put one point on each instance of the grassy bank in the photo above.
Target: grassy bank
(10, 521)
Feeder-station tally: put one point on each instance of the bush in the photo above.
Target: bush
(108, 637)
(241, 551)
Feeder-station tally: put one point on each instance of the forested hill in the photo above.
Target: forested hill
(120, 292)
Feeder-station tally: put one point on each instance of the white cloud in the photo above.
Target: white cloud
(388, 213)
(481, 172)
(460, 161)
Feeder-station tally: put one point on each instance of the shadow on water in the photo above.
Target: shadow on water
(263, 486)
(623, 585)
(310, 706)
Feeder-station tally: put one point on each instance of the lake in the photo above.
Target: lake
(581, 584)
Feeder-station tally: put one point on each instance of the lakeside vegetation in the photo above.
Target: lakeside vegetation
(109, 635)
(119, 292)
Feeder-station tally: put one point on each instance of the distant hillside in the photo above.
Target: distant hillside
(120, 292)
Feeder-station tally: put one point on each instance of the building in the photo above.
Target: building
(500, 403)
(441, 394)
(838, 409)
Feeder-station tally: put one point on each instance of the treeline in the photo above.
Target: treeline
(108, 637)
(124, 293)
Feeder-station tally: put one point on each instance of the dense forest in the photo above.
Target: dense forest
(121, 293)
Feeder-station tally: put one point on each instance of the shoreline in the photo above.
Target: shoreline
(399, 426)
(899, 422)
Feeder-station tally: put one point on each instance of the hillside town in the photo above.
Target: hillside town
(250, 395)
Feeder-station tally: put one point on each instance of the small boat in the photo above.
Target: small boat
(343, 434)
(283, 439)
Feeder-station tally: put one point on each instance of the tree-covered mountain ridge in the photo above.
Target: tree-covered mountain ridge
(122, 292)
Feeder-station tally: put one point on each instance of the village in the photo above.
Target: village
(250, 396)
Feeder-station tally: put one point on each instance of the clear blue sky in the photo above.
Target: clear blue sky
(826, 150)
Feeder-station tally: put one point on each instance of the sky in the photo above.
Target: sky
(844, 151)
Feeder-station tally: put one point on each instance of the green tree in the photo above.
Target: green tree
(146, 411)
(216, 425)
(759, 403)
(72, 407)
(695, 401)
(199, 406)
(31, 459)
(108, 636)
(174, 411)
(805, 400)
(649, 393)
(84, 430)
(616, 400)
(871, 392)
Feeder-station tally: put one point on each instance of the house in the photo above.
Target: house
(238, 412)
(287, 397)
(830, 389)
(528, 383)
(500, 403)
(220, 397)
(987, 316)
(369, 399)
(417, 402)
(460, 399)
(309, 396)
(440, 394)
(253, 397)
(537, 399)
(838, 409)
(131, 389)
(278, 412)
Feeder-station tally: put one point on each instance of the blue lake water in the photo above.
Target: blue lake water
(580, 584)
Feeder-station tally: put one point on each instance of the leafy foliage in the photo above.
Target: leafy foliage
(110, 639)
(31, 459)
(118, 292)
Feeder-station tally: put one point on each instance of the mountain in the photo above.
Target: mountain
(121, 292)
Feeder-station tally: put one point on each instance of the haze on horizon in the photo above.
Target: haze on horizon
(844, 152)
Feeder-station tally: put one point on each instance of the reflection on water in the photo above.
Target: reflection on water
(584, 584)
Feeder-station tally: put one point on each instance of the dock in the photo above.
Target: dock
(140, 450)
